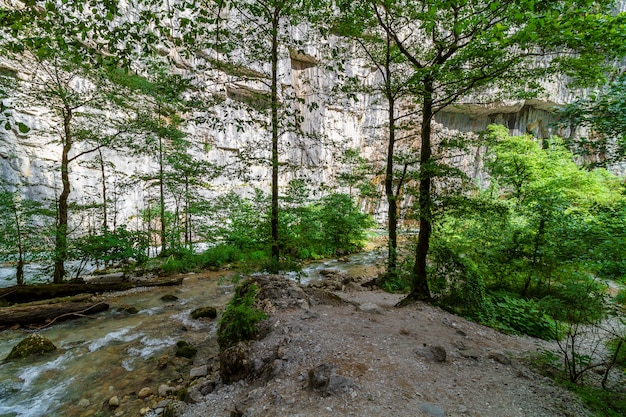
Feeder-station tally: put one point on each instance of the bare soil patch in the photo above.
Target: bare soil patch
(352, 353)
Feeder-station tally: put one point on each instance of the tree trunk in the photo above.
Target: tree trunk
(60, 250)
(19, 271)
(162, 190)
(392, 202)
(11, 316)
(105, 225)
(274, 103)
(419, 281)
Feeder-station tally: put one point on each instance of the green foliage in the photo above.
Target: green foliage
(603, 113)
(617, 349)
(520, 316)
(238, 322)
(117, 246)
(308, 230)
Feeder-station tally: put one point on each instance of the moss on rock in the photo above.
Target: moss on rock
(210, 312)
(34, 344)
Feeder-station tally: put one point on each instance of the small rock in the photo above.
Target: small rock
(210, 312)
(128, 309)
(207, 388)
(164, 390)
(432, 353)
(194, 396)
(144, 393)
(144, 411)
(84, 403)
(499, 357)
(169, 298)
(433, 410)
(469, 353)
(162, 361)
(185, 350)
(371, 308)
(199, 371)
(114, 402)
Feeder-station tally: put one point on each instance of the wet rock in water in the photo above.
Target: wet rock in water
(185, 350)
(162, 361)
(34, 344)
(432, 353)
(114, 402)
(433, 410)
(169, 298)
(128, 309)
(144, 393)
(209, 312)
(235, 363)
(84, 403)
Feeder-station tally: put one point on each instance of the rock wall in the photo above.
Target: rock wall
(334, 124)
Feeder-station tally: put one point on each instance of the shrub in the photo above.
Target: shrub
(238, 322)
(517, 315)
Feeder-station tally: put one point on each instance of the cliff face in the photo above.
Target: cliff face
(30, 160)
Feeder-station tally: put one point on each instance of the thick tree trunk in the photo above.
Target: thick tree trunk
(419, 282)
(29, 293)
(10, 316)
(274, 103)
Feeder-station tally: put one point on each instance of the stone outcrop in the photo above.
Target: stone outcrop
(30, 159)
(34, 344)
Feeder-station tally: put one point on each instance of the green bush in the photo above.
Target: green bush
(517, 315)
(238, 322)
(220, 255)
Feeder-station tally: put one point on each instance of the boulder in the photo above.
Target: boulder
(209, 312)
(324, 378)
(235, 363)
(199, 371)
(169, 298)
(34, 344)
(185, 350)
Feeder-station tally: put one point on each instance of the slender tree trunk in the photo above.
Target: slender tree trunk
(419, 282)
(19, 271)
(60, 250)
(162, 191)
(392, 202)
(105, 225)
(274, 103)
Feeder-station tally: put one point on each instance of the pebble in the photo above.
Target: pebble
(84, 403)
(114, 401)
(144, 393)
(433, 410)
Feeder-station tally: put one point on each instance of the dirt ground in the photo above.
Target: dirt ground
(361, 356)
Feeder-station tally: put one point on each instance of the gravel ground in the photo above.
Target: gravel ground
(361, 356)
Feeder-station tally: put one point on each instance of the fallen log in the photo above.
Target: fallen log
(10, 316)
(28, 293)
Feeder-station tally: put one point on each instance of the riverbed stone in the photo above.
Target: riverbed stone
(162, 361)
(199, 371)
(169, 298)
(145, 392)
(165, 390)
(34, 344)
(114, 402)
(84, 403)
(202, 312)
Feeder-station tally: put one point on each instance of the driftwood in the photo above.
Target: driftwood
(10, 316)
(28, 293)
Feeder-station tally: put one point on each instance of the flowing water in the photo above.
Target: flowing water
(112, 353)
(115, 353)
